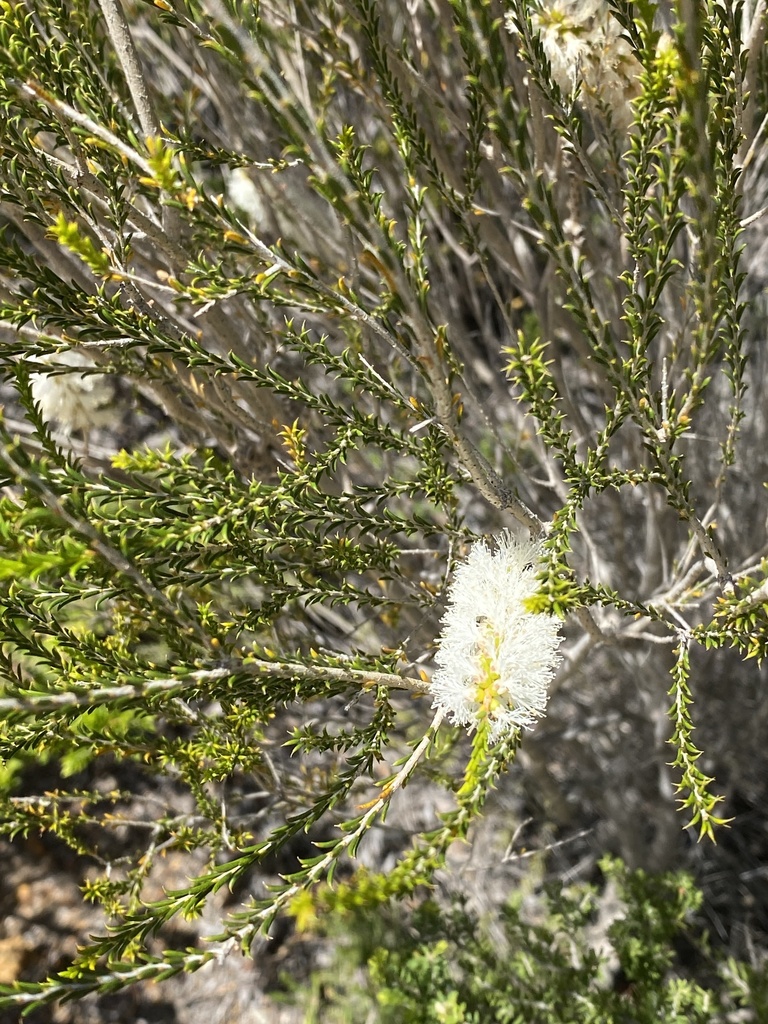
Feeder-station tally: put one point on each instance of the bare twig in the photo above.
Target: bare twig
(120, 35)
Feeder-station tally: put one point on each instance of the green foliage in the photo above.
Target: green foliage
(363, 283)
(553, 958)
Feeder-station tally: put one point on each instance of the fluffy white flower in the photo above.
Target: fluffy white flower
(495, 658)
(243, 194)
(585, 49)
(564, 27)
(76, 401)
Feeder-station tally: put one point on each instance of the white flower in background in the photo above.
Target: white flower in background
(565, 31)
(243, 194)
(583, 44)
(76, 401)
(496, 659)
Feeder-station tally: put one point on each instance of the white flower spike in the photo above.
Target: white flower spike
(587, 53)
(76, 401)
(495, 658)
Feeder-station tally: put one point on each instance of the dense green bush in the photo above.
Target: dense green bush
(298, 303)
(571, 956)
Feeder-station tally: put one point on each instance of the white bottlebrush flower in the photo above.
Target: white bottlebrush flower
(243, 194)
(76, 401)
(496, 659)
(587, 54)
(565, 31)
